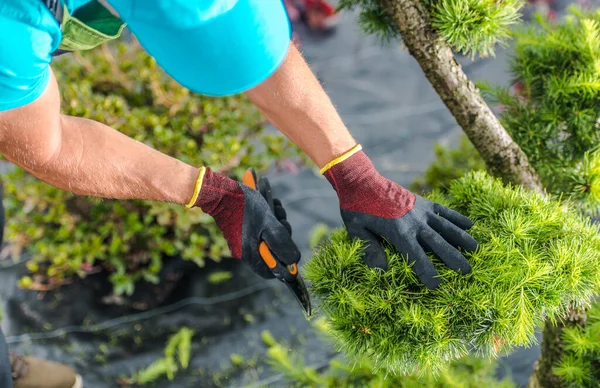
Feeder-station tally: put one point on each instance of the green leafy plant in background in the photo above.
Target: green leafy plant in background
(219, 277)
(123, 87)
(449, 164)
(471, 27)
(537, 258)
(468, 372)
(177, 357)
(580, 364)
(551, 108)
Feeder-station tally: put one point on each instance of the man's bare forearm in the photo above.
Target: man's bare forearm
(296, 104)
(97, 160)
(89, 158)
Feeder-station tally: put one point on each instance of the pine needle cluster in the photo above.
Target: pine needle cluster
(554, 113)
(537, 257)
(471, 27)
(580, 365)
(474, 27)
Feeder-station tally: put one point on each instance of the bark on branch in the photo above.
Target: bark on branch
(502, 155)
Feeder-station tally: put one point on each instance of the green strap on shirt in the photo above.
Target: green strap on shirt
(88, 27)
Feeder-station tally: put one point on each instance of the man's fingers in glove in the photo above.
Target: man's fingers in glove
(453, 234)
(258, 266)
(374, 254)
(410, 249)
(281, 215)
(453, 216)
(280, 212)
(263, 271)
(435, 243)
(281, 245)
(264, 187)
(287, 226)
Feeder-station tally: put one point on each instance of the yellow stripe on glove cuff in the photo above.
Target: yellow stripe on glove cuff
(341, 158)
(197, 188)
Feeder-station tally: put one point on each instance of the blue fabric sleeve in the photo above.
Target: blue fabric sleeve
(30, 36)
(213, 47)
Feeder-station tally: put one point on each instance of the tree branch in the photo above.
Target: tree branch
(502, 155)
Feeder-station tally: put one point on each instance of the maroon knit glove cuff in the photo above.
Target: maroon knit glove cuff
(223, 199)
(362, 189)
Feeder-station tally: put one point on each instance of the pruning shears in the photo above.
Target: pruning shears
(288, 274)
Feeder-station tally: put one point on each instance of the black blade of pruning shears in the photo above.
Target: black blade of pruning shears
(288, 274)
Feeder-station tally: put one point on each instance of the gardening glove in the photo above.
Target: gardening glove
(374, 208)
(264, 187)
(245, 219)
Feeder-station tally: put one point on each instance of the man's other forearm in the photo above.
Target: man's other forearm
(295, 103)
(88, 158)
(94, 159)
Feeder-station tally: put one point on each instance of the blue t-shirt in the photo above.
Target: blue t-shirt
(213, 47)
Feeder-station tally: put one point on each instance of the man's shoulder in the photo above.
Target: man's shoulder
(24, 57)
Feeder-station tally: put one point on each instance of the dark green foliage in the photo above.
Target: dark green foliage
(123, 87)
(580, 365)
(553, 112)
(449, 164)
(468, 372)
(471, 27)
(536, 258)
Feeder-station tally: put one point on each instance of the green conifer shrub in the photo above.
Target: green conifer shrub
(580, 364)
(551, 109)
(122, 86)
(537, 258)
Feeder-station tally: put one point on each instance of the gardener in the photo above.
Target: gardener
(217, 48)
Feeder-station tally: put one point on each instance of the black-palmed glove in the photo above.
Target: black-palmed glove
(245, 219)
(264, 187)
(374, 208)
